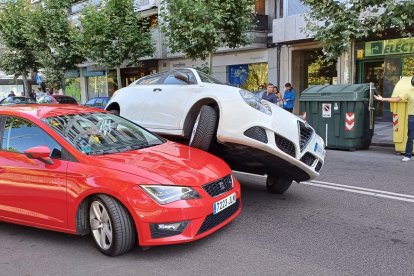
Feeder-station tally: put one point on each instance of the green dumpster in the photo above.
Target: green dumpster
(343, 115)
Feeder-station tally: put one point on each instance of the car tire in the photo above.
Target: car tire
(111, 226)
(115, 112)
(277, 185)
(204, 128)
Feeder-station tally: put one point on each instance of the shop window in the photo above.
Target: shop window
(408, 66)
(73, 88)
(248, 76)
(96, 86)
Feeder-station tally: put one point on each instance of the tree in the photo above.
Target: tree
(199, 28)
(18, 58)
(115, 34)
(336, 23)
(54, 37)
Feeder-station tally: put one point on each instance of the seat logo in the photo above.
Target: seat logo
(221, 185)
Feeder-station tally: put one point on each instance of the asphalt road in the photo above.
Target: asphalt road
(325, 229)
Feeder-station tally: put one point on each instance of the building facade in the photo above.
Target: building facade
(245, 67)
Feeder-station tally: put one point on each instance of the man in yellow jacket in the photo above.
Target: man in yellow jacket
(409, 97)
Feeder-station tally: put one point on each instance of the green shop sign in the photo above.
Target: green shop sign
(389, 47)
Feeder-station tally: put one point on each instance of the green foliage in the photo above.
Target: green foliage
(199, 27)
(316, 75)
(54, 37)
(336, 23)
(15, 20)
(114, 34)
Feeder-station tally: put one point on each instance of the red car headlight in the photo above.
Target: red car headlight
(167, 194)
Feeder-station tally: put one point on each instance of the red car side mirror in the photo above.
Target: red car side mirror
(41, 152)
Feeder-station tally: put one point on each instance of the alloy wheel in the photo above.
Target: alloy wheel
(101, 225)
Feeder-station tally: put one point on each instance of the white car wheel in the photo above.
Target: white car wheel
(277, 185)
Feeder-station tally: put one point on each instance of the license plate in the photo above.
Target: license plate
(224, 203)
(319, 149)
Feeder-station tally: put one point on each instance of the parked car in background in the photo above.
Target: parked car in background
(83, 171)
(251, 134)
(46, 99)
(17, 100)
(98, 102)
(63, 99)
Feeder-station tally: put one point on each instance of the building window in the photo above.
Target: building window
(260, 7)
(295, 7)
(279, 9)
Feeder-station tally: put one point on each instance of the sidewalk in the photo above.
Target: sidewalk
(383, 134)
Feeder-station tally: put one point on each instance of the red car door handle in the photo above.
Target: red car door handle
(157, 89)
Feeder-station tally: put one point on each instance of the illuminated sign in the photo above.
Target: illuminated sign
(389, 47)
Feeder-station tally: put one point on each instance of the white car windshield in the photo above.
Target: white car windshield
(102, 133)
(207, 78)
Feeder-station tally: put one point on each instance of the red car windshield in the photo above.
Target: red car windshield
(102, 133)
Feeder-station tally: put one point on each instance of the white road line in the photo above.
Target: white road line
(358, 190)
(363, 189)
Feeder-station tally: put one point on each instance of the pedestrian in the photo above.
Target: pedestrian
(11, 94)
(260, 91)
(409, 97)
(33, 95)
(278, 95)
(269, 95)
(48, 92)
(289, 97)
(40, 93)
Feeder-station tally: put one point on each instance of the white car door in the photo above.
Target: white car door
(133, 98)
(164, 109)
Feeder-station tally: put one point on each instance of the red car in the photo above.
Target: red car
(80, 170)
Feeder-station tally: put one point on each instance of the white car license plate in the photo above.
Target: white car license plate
(224, 203)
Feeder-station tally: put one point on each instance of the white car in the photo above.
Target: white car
(251, 134)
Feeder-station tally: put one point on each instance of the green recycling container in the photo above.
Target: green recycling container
(343, 115)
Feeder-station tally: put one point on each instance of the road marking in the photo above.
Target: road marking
(360, 190)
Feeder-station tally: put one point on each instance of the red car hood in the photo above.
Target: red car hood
(168, 163)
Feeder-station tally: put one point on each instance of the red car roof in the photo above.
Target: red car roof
(45, 111)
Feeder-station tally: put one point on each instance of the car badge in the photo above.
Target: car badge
(221, 184)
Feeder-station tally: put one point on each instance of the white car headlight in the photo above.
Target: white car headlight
(255, 102)
(167, 194)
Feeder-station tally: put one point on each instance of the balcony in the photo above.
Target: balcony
(78, 7)
(143, 5)
(289, 29)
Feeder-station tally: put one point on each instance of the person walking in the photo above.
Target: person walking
(40, 93)
(289, 98)
(409, 97)
(269, 95)
(11, 94)
(33, 95)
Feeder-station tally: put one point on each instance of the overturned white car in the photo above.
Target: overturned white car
(251, 134)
